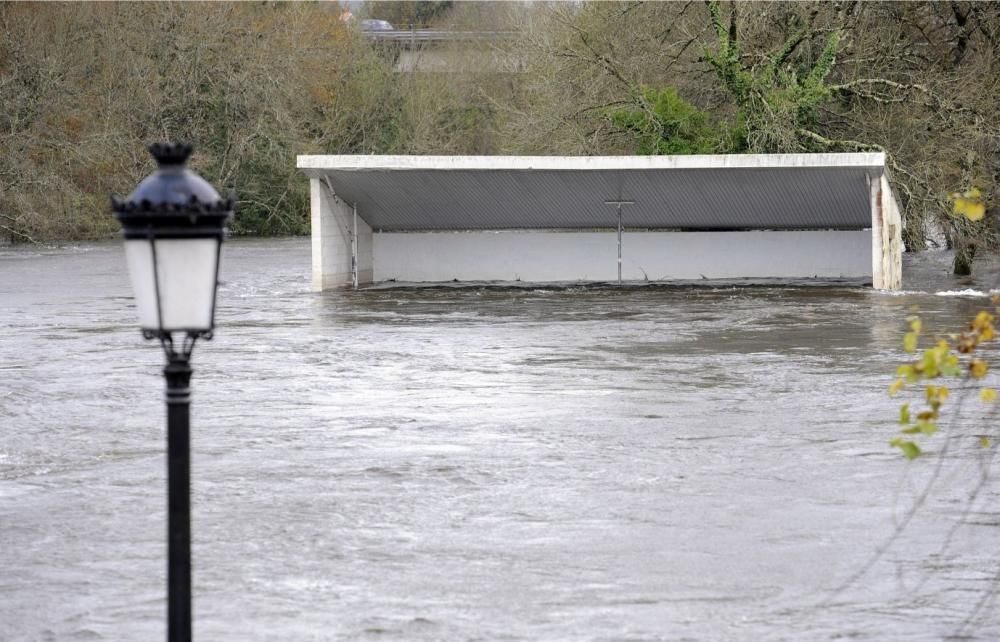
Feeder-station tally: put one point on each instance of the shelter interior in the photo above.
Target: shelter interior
(630, 218)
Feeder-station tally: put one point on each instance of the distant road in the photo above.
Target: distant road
(406, 37)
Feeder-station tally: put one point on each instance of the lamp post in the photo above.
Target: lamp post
(173, 224)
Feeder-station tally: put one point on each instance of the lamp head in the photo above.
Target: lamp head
(173, 224)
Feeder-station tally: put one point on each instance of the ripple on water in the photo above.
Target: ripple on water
(554, 462)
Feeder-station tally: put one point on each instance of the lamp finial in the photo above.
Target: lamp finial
(170, 153)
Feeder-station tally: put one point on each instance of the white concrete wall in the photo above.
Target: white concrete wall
(332, 232)
(593, 256)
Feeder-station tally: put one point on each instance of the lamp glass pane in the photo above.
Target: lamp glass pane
(139, 258)
(186, 270)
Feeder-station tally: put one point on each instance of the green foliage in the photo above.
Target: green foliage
(778, 100)
(665, 123)
(909, 448)
(726, 61)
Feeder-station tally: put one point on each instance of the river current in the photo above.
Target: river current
(483, 463)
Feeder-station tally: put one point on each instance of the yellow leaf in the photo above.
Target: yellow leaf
(916, 325)
(983, 319)
(974, 210)
(978, 368)
(910, 342)
(984, 442)
(896, 386)
(936, 394)
(968, 204)
(929, 363)
(988, 394)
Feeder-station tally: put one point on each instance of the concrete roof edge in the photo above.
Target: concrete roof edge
(358, 162)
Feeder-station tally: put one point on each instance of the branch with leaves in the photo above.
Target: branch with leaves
(951, 356)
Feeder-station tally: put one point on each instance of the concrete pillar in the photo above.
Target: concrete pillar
(887, 236)
(333, 229)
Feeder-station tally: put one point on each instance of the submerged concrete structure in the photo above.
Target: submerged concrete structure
(602, 218)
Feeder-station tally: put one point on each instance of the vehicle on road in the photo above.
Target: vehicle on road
(376, 25)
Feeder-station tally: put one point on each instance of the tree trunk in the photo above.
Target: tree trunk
(964, 253)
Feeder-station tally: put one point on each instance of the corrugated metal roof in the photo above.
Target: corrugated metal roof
(740, 192)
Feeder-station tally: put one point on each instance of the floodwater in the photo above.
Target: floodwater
(532, 463)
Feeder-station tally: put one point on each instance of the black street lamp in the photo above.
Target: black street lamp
(173, 224)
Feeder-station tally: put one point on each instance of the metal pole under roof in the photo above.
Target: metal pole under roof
(354, 250)
(618, 206)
